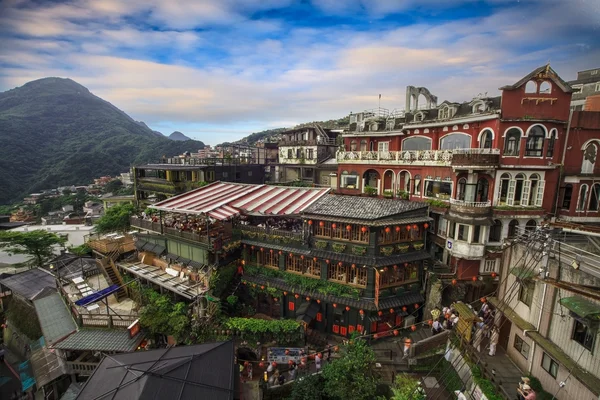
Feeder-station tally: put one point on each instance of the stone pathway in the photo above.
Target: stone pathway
(504, 371)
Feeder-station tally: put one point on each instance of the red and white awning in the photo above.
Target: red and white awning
(222, 200)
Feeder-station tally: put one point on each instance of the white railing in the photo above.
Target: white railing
(442, 157)
(477, 204)
(477, 151)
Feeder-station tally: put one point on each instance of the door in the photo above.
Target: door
(384, 147)
(505, 326)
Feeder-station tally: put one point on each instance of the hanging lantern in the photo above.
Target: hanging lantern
(454, 282)
(340, 264)
(252, 247)
(397, 229)
(315, 259)
(287, 352)
(327, 261)
(387, 229)
(333, 226)
(413, 328)
(262, 287)
(380, 313)
(361, 312)
(318, 301)
(474, 278)
(246, 363)
(321, 224)
(353, 266)
(363, 229)
(271, 251)
(483, 299)
(404, 308)
(395, 267)
(261, 364)
(494, 275)
(334, 305)
(348, 228)
(430, 322)
(243, 262)
(416, 306)
(280, 252)
(302, 257)
(310, 222)
(291, 255)
(396, 332)
(386, 269)
(347, 308)
(375, 336)
(275, 299)
(320, 355)
(425, 225)
(285, 293)
(336, 349)
(307, 298)
(262, 249)
(274, 364)
(296, 295)
(391, 310)
(408, 227)
(415, 227)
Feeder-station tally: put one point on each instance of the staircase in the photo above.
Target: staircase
(112, 274)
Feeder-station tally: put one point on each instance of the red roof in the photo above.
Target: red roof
(222, 200)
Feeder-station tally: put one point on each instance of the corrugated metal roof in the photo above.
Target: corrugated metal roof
(28, 283)
(55, 319)
(101, 340)
(223, 200)
(582, 307)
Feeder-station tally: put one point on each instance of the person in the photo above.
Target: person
(274, 379)
(292, 373)
(436, 327)
(421, 394)
(478, 338)
(524, 381)
(494, 340)
(527, 393)
(485, 308)
(407, 343)
(250, 371)
(318, 363)
(328, 352)
(460, 395)
(281, 379)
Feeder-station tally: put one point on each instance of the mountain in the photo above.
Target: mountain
(54, 132)
(157, 133)
(178, 136)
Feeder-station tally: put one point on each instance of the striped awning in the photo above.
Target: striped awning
(223, 200)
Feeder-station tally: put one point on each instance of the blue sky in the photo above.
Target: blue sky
(218, 70)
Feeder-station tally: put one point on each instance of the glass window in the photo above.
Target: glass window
(438, 189)
(551, 144)
(582, 197)
(526, 292)
(349, 181)
(583, 335)
(363, 145)
(530, 225)
(594, 197)
(463, 232)
(455, 141)
(566, 203)
(486, 139)
(521, 346)
(504, 184)
(589, 159)
(416, 143)
(535, 142)
(549, 365)
(417, 185)
(476, 234)
(513, 228)
(353, 145)
(512, 142)
(290, 153)
(495, 231)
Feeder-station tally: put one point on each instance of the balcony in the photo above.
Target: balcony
(81, 368)
(270, 235)
(487, 158)
(143, 224)
(156, 227)
(469, 251)
(456, 158)
(157, 185)
(473, 208)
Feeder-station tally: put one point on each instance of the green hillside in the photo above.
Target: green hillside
(54, 132)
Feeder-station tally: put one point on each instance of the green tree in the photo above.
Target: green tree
(160, 316)
(308, 388)
(82, 250)
(115, 219)
(113, 186)
(38, 244)
(406, 388)
(351, 376)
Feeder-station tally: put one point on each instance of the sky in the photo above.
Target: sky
(218, 70)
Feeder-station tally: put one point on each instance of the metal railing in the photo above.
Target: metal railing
(144, 224)
(271, 231)
(475, 204)
(196, 237)
(81, 368)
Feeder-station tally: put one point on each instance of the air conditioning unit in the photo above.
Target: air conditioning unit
(409, 321)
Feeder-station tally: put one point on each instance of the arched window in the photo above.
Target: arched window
(363, 145)
(482, 190)
(551, 143)
(568, 194)
(531, 87)
(512, 142)
(462, 187)
(589, 159)
(519, 184)
(594, 197)
(404, 181)
(371, 145)
(419, 117)
(416, 143)
(545, 87)
(535, 142)
(455, 141)
(478, 108)
(582, 197)
(353, 145)
(417, 185)
(495, 231)
(504, 184)
(513, 228)
(530, 225)
(485, 142)
(534, 184)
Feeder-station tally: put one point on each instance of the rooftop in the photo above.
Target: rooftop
(363, 208)
(55, 319)
(29, 283)
(116, 340)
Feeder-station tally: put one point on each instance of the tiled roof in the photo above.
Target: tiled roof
(364, 208)
(371, 261)
(101, 340)
(55, 319)
(46, 366)
(379, 222)
(285, 249)
(28, 283)
(401, 300)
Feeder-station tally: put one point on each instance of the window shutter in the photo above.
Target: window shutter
(291, 305)
(510, 196)
(525, 193)
(540, 194)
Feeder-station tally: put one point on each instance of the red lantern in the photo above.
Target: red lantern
(262, 249)
(483, 299)
(327, 261)
(391, 310)
(333, 226)
(321, 224)
(494, 275)
(307, 298)
(395, 267)
(302, 257)
(285, 293)
(318, 301)
(404, 308)
(361, 312)
(336, 348)
(353, 266)
(310, 222)
(320, 355)
(363, 229)
(413, 328)
(416, 306)
(334, 305)
(454, 282)
(415, 227)
(408, 227)
(375, 336)
(380, 313)
(243, 262)
(406, 264)
(425, 225)
(252, 247)
(280, 252)
(387, 229)
(296, 295)
(274, 364)
(348, 228)
(291, 255)
(287, 351)
(262, 287)
(261, 364)
(340, 264)
(397, 229)
(246, 363)
(347, 308)
(430, 322)
(474, 278)
(271, 251)
(315, 259)
(396, 332)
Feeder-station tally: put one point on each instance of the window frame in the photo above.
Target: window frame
(519, 343)
(526, 292)
(534, 145)
(588, 335)
(513, 135)
(551, 362)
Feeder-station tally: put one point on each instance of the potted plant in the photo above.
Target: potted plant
(370, 191)
(359, 250)
(402, 248)
(338, 247)
(402, 194)
(418, 245)
(321, 244)
(387, 250)
(388, 194)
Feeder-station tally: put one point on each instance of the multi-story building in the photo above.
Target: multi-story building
(306, 154)
(586, 90)
(488, 167)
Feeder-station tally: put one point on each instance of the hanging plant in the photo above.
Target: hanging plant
(387, 250)
(321, 244)
(402, 248)
(359, 250)
(338, 248)
(418, 245)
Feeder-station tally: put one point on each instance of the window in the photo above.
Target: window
(462, 186)
(476, 234)
(338, 273)
(513, 228)
(582, 197)
(416, 143)
(535, 142)
(512, 142)
(583, 335)
(463, 232)
(551, 143)
(531, 87)
(299, 153)
(363, 145)
(438, 189)
(294, 264)
(353, 145)
(530, 190)
(589, 159)
(521, 346)
(594, 197)
(566, 203)
(290, 153)
(504, 184)
(482, 190)
(310, 154)
(495, 231)
(545, 87)
(526, 292)
(404, 181)
(489, 266)
(349, 181)
(530, 225)
(485, 141)
(597, 88)
(419, 117)
(549, 365)
(455, 141)
(478, 108)
(517, 190)
(417, 185)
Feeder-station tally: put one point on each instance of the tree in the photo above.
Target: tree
(38, 244)
(307, 388)
(351, 376)
(115, 219)
(160, 316)
(406, 388)
(113, 186)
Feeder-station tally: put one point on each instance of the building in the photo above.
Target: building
(550, 308)
(488, 167)
(586, 86)
(111, 201)
(75, 234)
(307, 155)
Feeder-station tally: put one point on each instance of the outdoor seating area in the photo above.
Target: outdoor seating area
(271, 223)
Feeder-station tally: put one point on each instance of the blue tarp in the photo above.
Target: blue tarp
(96, 297)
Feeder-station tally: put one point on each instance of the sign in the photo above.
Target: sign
(278, 355)
(377, 288)
(449, 244)
(134, 328)
(172, 272)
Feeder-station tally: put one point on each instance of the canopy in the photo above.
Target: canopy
(96, 297)
(582, 307)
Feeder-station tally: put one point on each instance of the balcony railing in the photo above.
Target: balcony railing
(271, 231)
(475, 204)
(81, 368)
(422, 157)
(476, 157)
(196, 237)
(144, 224)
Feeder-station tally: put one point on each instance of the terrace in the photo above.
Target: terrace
(456, 158)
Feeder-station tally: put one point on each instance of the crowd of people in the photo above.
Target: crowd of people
(285, 224)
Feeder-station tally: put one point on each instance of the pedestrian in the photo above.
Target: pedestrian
(328, 352)
(436, 327)
(460, 395)
(250, 371)
(478, 338)
(292, 373)
(494, 340)
(527, 393)
(318, 362)
(274, 379)
(407, 343)
(281, 379)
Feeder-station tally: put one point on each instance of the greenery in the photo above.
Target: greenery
(437, 203)
(220, 279)
(80, 251)
(113, 186)
(304, 283)
(308, 388)
(403, 194)
(232, 300)
(23, 317)
(388, 194)
(405, 388)
(338, 248)
(387, 250)
(282, 331)
(359, 250)
(321, 244)
(402, 248)
(38, 244)
(418, 245)
(77, 200)
(370, 191)
(540, 393)
(351, 376)
(115, 219)
(487, 387)
(55, 132)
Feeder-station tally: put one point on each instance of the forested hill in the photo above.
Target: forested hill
(54, 132)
